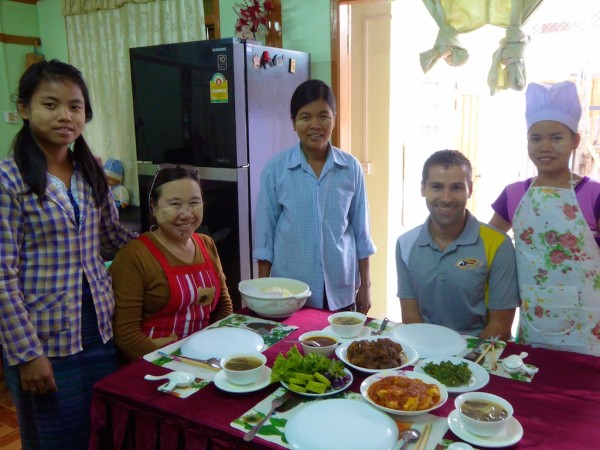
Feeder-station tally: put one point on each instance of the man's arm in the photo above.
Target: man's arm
(499, 324)
(503, 292)
(264, 268)
(410, 310)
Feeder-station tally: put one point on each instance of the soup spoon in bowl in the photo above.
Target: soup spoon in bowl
(305, 341)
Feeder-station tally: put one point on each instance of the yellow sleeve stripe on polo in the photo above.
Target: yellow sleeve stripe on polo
(492, 240)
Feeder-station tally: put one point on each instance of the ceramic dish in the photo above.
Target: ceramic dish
(430, 340)
(326, 393)
(224, 384)
(365, 332)
(479, 378)
(341, 423)
(364, 387)
(411, 355)
(221, 342)
(511, 435)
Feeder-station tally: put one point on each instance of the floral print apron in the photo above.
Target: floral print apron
(558, 264)
(195, 291)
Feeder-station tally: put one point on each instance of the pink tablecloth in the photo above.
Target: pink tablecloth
(559, 409)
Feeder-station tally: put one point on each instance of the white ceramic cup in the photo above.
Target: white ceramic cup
(245, 376)
(479, 427)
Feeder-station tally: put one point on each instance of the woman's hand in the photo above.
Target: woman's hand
(363, 299)
(37, 376)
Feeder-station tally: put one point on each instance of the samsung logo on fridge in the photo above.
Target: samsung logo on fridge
(219, 49)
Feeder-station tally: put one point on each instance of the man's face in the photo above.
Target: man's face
(446, 192)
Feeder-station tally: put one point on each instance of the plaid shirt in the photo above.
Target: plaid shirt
(43, 254)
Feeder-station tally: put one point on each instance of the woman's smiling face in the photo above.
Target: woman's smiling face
(179, 210)
(550, 145)
(314, 124)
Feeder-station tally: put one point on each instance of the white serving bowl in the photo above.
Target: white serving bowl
(347, 330)
(479, 427)
(274, 297)
(327, 350)
(364, 389)
(247, 376)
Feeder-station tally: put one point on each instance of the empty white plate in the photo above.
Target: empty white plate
(220, 342)
(430, 340)
(341, 423)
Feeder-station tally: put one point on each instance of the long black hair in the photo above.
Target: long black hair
(28, 156)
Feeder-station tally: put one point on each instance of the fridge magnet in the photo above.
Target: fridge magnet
(256, 61)
(265, 59)
(277, 60)
(292, 68)
(219, 92)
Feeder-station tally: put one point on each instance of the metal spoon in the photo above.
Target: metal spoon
(409, 435)
(305, 341)
(384, 323)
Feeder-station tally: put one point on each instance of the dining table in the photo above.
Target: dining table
(558, 409)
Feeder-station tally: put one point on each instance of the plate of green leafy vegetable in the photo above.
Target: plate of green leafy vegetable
(457, 374)
(313, 375)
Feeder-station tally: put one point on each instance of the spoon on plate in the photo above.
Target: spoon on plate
(409, 435)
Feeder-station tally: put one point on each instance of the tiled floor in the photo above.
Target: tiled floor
(9, 427)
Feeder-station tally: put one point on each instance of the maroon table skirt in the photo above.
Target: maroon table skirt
(559, 409)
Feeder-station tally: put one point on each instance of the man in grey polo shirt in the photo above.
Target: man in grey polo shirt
(453, 270)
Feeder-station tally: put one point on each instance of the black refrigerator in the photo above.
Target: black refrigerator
(222, 106)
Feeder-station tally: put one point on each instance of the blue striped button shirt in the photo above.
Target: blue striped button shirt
(43, 255)
(314, 229)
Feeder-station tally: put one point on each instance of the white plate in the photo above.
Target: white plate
(220, 342)
(364, 387)
(430, 340)
(511, 435)
(224, 384)
(366, 331)
(479, 378)
(411, 355)
(326, 393)
(340, 423)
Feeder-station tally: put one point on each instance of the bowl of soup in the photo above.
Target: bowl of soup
(347, 324)
(483, 414)
(243, 368)
(327, 342)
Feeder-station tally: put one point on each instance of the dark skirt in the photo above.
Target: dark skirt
(61, 420)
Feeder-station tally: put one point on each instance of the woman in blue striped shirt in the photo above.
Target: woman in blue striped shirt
(312, 221)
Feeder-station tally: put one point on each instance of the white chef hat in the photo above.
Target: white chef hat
(558, 102)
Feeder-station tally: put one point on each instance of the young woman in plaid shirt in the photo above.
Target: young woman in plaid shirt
(56, 300)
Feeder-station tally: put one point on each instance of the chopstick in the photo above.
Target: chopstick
(490, 347)
(422, 442)
(494, 358)
(190, 361)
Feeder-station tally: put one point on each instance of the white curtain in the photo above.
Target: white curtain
(99, 45)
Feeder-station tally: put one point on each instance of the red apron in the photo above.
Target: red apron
(195, 291)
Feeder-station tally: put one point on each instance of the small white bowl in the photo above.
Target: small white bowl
(479, 427)
(243, 376)
(327, 350)
(347, 330)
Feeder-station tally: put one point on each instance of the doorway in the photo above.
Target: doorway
(449, 107)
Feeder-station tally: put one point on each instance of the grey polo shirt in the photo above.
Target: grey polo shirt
(456, 287)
